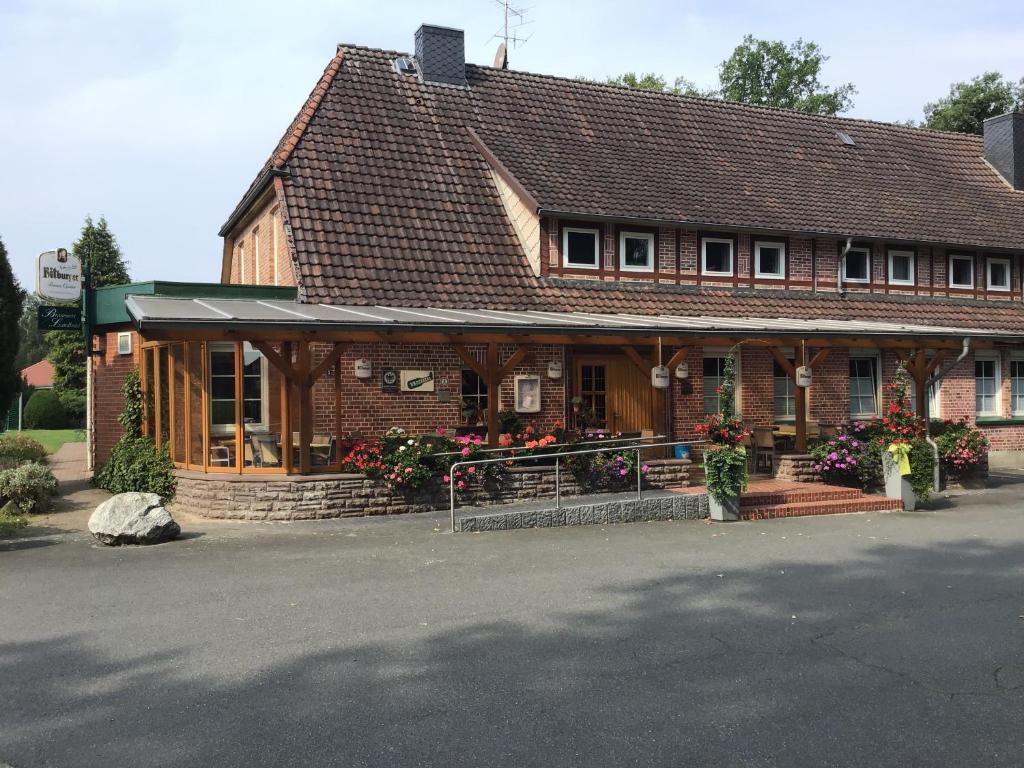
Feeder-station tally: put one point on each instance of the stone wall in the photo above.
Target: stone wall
(279, 497)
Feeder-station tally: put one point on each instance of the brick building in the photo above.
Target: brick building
(519, 240)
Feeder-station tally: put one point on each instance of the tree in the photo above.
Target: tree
(970, 103)
(11, 298)
(96, 248)
(33, 341)
(772, 74)
(649, 81)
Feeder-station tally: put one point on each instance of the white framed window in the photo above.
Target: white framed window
(241, 262)
(714, 369)
(998, 274)
(986, 384)
(864, 385)
(124, 343)
(256, 256)
(222, 387)
(934, 411)
(783, 392)
(1017, 386)
(581, 248)
(961, 271)
(636, 251)
(273, 246)
(857, 266)
(901, 267)
(716, 256)
(770, 260)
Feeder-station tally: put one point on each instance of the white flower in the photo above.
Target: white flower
(401, 448)
(412, 442)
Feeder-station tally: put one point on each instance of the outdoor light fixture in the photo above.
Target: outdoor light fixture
(363, 368)
(659, 377)
(555, 369)
(683, 371)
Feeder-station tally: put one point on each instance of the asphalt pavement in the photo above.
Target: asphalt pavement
(891, 639)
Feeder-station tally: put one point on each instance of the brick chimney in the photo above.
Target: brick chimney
(441, 52)
(1004, 146)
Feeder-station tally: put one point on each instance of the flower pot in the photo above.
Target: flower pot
(897, 486)
(724, 510)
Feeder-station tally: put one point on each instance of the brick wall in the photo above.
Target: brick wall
(263, 232)
(109, 370)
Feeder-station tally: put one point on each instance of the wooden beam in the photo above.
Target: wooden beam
(282, 364)
(239, 395)
(783, 362)
(493, 379)
(677, 358)
(512, 362)
(468, 358)
(638, 361)
(936, 361)
(329, 359)
(799, 396)
(286, 410)
(305, 408)
(819, 357)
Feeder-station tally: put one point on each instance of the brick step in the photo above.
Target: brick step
(797, 495)
(832, 507)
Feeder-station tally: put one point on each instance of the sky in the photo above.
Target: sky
(157, 113)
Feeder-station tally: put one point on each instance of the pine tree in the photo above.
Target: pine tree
(33, 341)
(11, 298)
(97, 248)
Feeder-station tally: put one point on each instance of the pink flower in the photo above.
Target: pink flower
(645, 468)
(465, 451)
(477, 440)
(447, 479)
(622, 472)
(408, 470)
(441, 431)
(461, 485)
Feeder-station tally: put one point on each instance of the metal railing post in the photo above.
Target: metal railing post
(639, 476)
(558, 483)
(451, 491)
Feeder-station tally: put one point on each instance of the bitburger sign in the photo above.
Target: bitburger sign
(58, 276)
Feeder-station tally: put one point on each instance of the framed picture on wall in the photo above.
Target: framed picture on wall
(527, 394)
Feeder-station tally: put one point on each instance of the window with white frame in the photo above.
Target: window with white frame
(770, 260)
(241, 262)
(714, 370)
(999, 274)
(716, 256)
(863, 386)
(581, 247)
(636, 251)
(256, 256)
(273, 246)
(474, 397)
(961, 271)
(222, 387)
(784, 392)
(901, 267)
(986, 385)
(1017, 387)
(857, 266)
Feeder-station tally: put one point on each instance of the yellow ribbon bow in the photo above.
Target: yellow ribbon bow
(901, 456)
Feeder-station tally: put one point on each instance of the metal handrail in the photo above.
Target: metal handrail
(514, 448)
(558, 476)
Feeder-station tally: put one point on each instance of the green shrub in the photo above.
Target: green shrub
(16, 448)
(136, 464)
(11, 520)
(922, 469)
(45, 411)
(30, 486)
(725, 471)
(962, 448)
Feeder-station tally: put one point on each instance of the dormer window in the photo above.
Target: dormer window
(999, 274)
(581, 248)
(857, 266)
(636, 251)
(770, 260)
(961, 271)
(716, 256)
(901, 267)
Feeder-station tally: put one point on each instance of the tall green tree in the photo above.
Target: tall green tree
(649, 81)
(96, 248)
(970, 103)
(772, 74)
(11, 298)
(33, 346)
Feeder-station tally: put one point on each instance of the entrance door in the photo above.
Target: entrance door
(616, 392)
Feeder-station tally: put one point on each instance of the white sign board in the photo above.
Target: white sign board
(58, 276)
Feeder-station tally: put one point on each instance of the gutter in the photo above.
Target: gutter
(932, 382)
(841, 265)
(258, 188)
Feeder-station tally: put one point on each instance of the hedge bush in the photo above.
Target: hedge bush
(31, 486)
(136, 464)
(11, 520)
(16, 448)
(45, 411)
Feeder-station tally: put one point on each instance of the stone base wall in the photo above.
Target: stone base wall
(797, 468)
(277, 497)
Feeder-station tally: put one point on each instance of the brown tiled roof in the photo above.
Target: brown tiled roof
(390, 202)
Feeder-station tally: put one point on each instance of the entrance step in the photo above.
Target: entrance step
(835, 506)
(766, 498)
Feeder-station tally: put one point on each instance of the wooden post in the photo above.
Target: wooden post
(204, 390)
(305, 407)
(286, 410)
(920, 378)
(800, 401)
(493, 385)
(239, 394)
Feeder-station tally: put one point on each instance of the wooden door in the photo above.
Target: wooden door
(616, 391)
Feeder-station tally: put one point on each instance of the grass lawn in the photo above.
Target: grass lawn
(52, 439)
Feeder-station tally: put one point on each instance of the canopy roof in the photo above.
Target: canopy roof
(166, 313)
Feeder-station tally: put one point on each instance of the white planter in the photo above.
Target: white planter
(897, 486)
(725, 511)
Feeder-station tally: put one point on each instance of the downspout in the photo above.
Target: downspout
(842, 263)
(932, 382)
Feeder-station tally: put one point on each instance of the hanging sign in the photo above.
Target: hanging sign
(417, 381)
(659, 377)
(58, 276)
(389, 380)
(803, 376)
(59, 318)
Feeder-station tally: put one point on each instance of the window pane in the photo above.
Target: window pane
(580, 249)
(222, 411)
(856, 265)
(784, 393)
(718, 256)
(252, 411)
(961, 271)
(713, 367)
(222, 387)
(1017, 386)
(901, 268)
(998, 275)
(222, 363)
(252, 387)
(637, 252)
(863, 386)
(769, 260)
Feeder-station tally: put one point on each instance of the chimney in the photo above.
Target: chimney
(441, 52)
(1004, 146)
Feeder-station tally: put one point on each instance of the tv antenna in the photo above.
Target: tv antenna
(509, 32)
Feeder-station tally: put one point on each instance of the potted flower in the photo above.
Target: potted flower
(725, 458)
(900, 430)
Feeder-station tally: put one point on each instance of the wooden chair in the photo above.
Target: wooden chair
(813, 429)
(764, 449)
(748, 443)
(220, 456)
(265, 449)
(321, 455)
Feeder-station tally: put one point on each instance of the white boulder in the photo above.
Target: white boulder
(133, 518)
